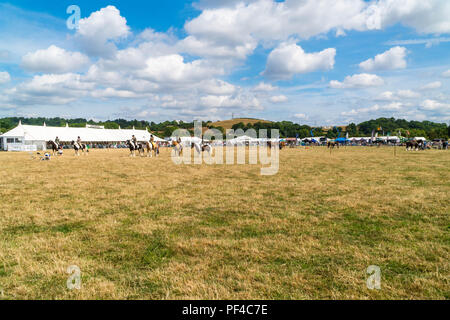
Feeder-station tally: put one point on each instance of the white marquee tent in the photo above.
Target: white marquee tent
(31, 138)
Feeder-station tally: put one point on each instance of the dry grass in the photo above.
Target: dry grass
(148, 229)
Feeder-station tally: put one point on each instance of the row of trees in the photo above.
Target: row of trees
(430, 130)
(386, 126)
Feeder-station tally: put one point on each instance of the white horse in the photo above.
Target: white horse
(177, 147)
(77, 147)
(152, 147)
(204, 147)
(133, 148)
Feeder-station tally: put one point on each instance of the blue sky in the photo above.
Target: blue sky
(318, 62)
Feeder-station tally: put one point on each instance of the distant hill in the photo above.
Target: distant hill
(228, 124)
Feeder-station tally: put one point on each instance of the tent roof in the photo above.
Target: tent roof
(67, 134)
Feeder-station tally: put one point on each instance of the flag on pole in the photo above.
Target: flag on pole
(312, 133)
(373, 134)
(346, 136)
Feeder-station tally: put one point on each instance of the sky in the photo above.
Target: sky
(316, 62)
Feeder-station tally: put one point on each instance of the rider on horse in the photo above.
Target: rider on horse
(134, 141)
(152, 141)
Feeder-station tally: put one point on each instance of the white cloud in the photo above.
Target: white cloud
(390, 60)
(446, 74)
(4, 77)
(425, 16)
(400, 94)
(215, 49)
(242, 26)
(241, 100)
(172, 69)
(432, 85)
(113, 93)
(54, 60)
(289, 59)
(387, 96)
(358, 81)
(408, 94)
(395, 106)
(50, 89)
(234, 22)
(97, 32)
(301, 116)
(216, 87)
(433, 105)
(262, 86)
(427, 42)
(278, 99)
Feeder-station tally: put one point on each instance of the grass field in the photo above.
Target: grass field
(148, 229)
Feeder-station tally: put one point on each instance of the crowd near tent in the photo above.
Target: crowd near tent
(33, 138)
(341, 140)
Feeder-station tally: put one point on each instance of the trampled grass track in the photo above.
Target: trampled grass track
(149, 229)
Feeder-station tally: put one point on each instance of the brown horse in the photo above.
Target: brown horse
(281, 145)
(177, 148)
(333, 144)
(154, 147)
(55, 147)
(150, 147)
(413, 145)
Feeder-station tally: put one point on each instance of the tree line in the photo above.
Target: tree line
(386, 126)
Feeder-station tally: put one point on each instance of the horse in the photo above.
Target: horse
(333, 144)
(412, 145)
(133, 147)
(152, 147)
(177, 147)
(281, 145)
(148, 146)
(55, 146)
(205, 147)
(77, 147)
